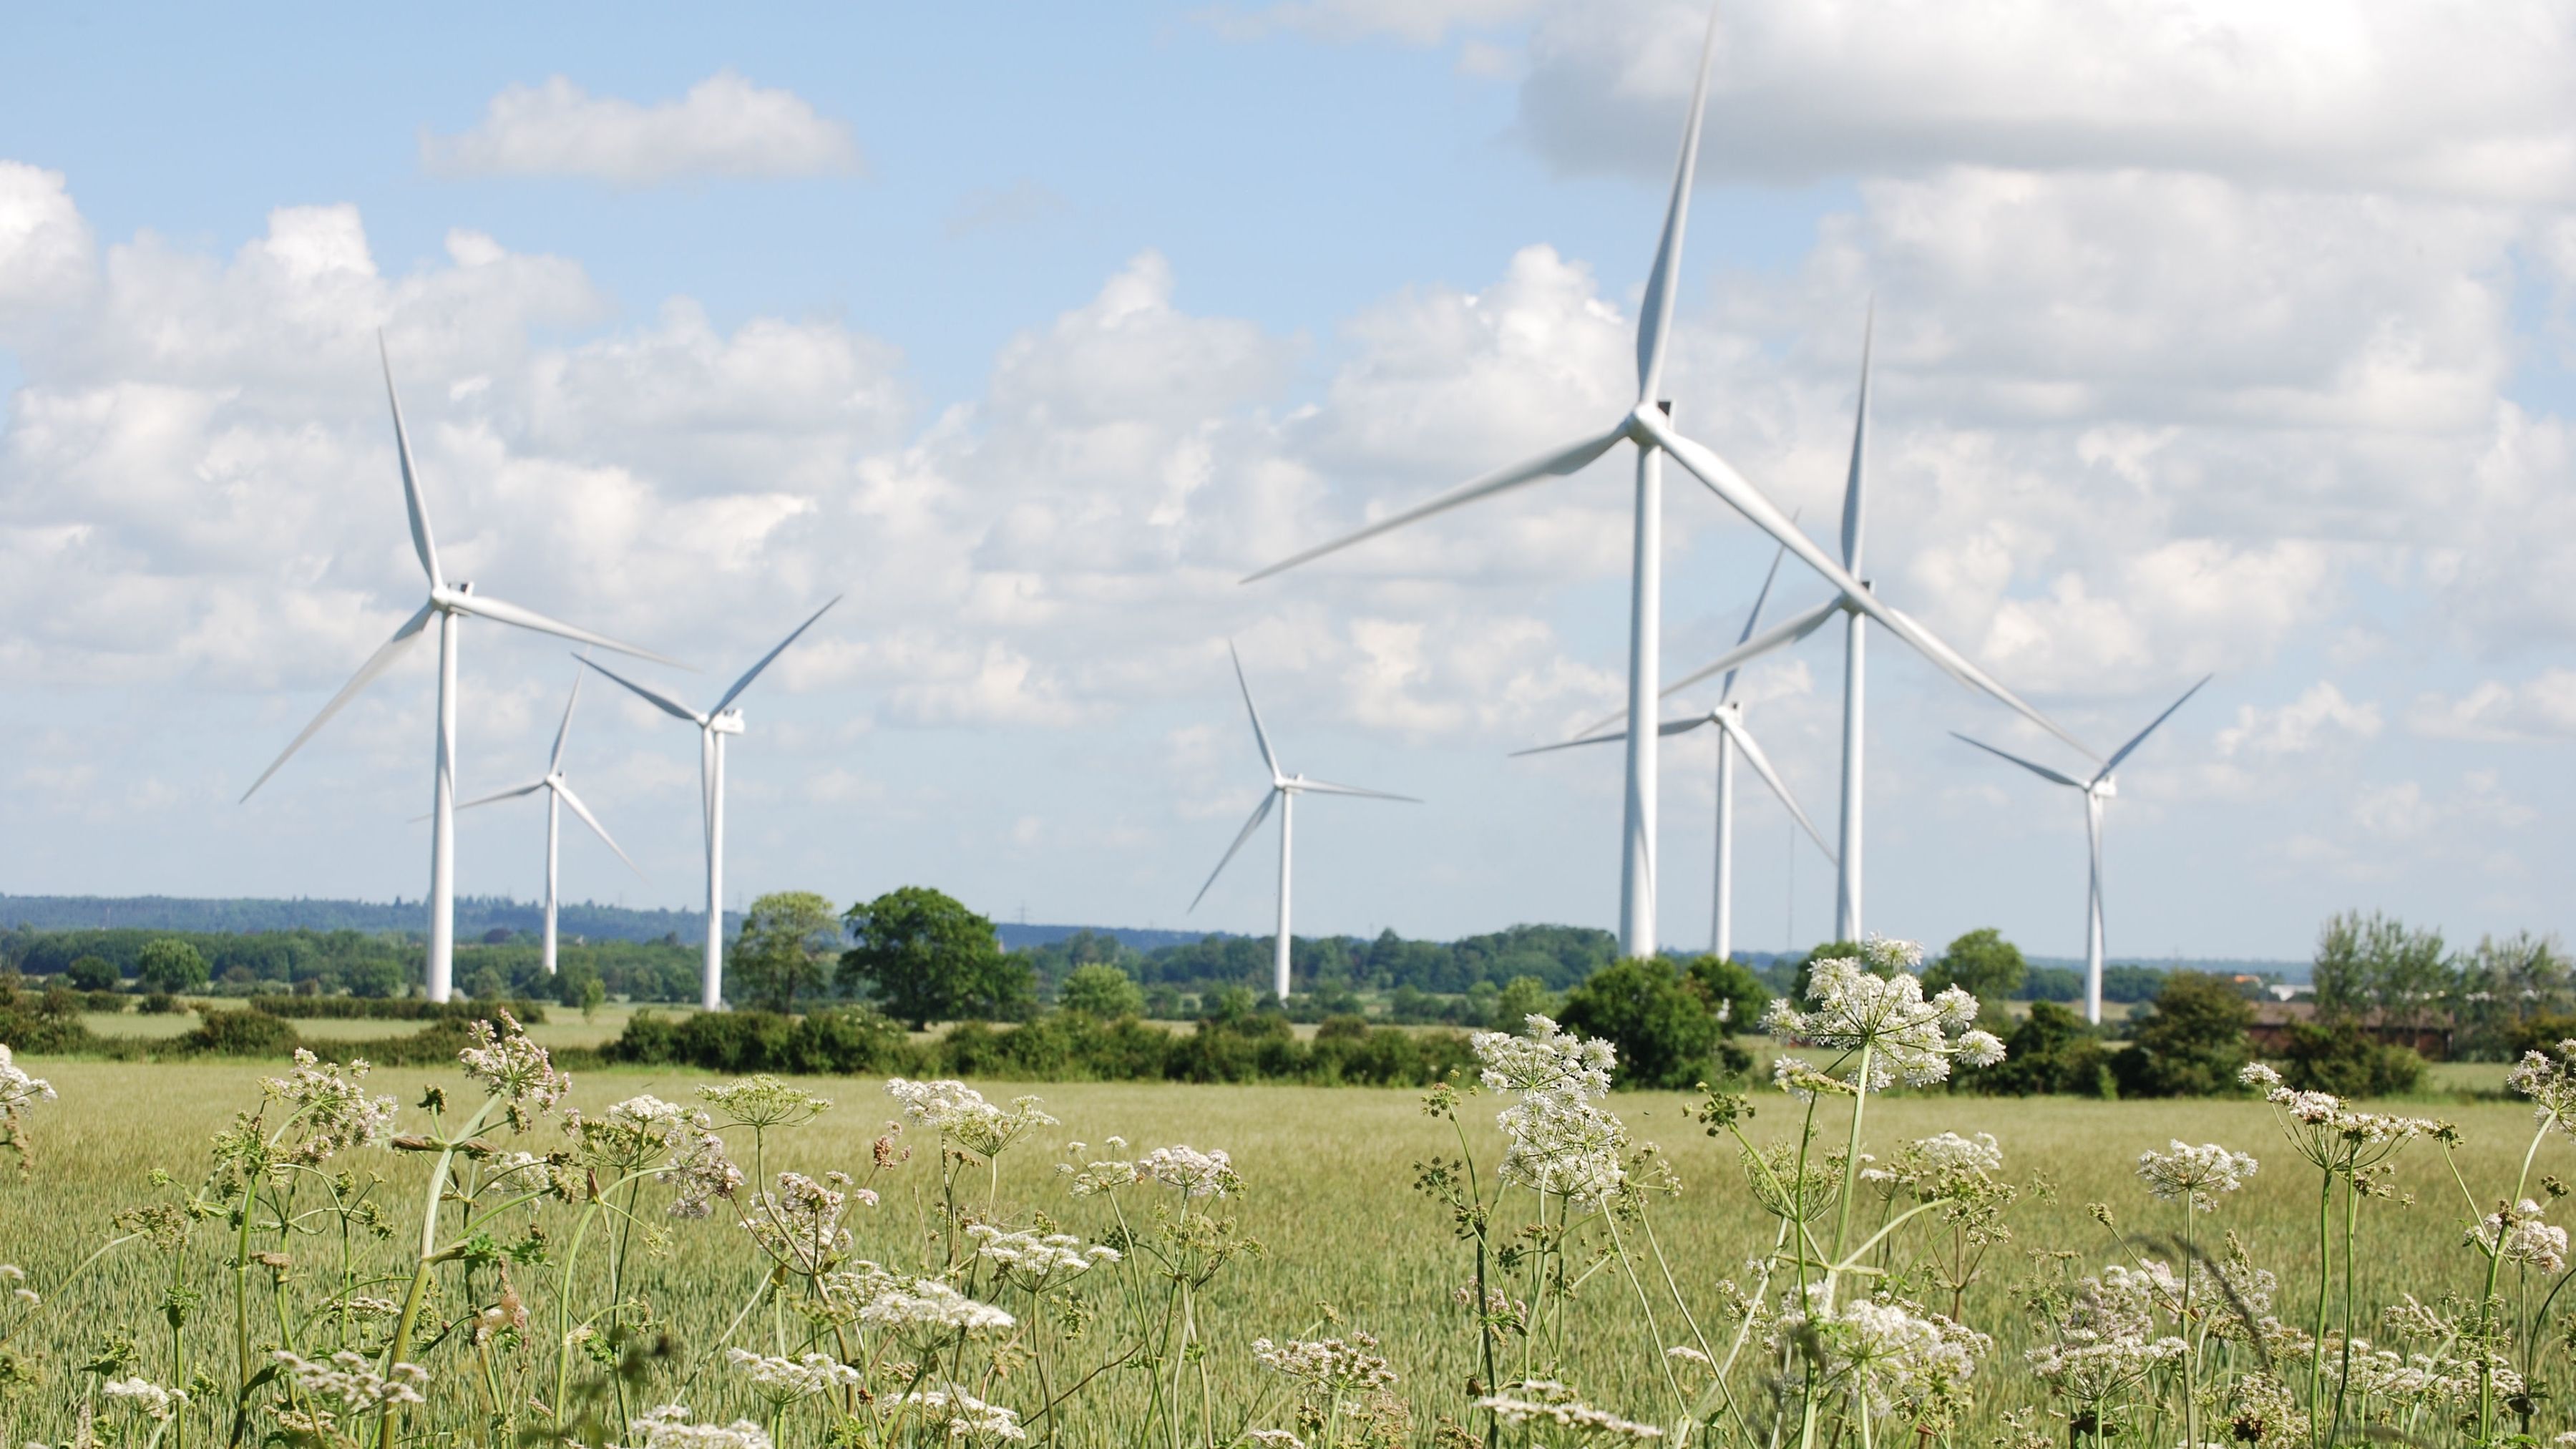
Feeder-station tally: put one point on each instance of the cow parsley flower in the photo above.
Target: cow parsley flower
(2107, 1340)
(2548, 1079)
(1195, 1173)
(18, 1091)
(2525, 1240)
(959, 1114)
(929, 1315)
(1546, 1401)
(1901, 1356)
(785, 1380)
(2199, 1175)
(1559, 1139)
(645, 1133)
(1903, 1036)
(668, 1427)
(149, 1399)
(2331, 1135)
(1030, 1261)
(509, 1065)
(1548, 1060)
(763, 1102)
(1328, 1366)
(800, 1224)
(332, 1110)
(351, 1378)
(963, 1417)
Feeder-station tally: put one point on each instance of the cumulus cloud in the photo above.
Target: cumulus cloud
(1418, 22)
(724, 126)
(44, 244)
(2542, 707)
(2321, 718)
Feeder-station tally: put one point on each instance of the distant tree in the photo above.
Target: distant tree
(783, 951)
(376, 976)
(2348, 1061)
(1732, 985)
(925, 957)
(2050, 1051)
(170, 966)
(594, 994)
(93, 973)
(2191, 1043)
(1522, 997)
(1098, 988)
(486, 983)
(1665, 1032)
(2505, 984)
(2377, 963)
(1983, 964)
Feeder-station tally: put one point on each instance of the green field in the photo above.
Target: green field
(1328, 1174)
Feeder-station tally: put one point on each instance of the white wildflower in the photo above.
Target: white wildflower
(800, 1224)
(960, 1114)
(929, 1314)
(1545, 1401)
(1195, 1173)
(2331, 1135)
(963, 1417)
(18, 1091)
(1559, 1140)
(2200, 1175)
(2527, 1241)
(148, 1398)
(509, 1065)
(668, 1427)
(1904, 1036)
(2548, 1080)
(332, 1109)
(785, 1380)
(351, 1378)
(1328, 1365)
(764, 1102)
(1030, 1260)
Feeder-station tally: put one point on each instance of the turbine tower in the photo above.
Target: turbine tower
(1732, 736)
(2096, 790)
(1859, 604)
(1284, 790)
(713, 726)
(451, 605)
(559, 794)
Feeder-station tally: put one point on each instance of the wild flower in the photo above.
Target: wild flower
(645, 1133)
(800, 1224)
(2516, 1234)
(2548, 1079)
(18, 1091)
(509, 1065)
(1284, 1439)
(668, 1427)
(764, 1102)
(961, 1417)
(2199, 1175)
(785, 1380)
(1327, 1366)
(351, 1378)
(1894, 1353)
(1195, 1173)
(1558, 1139)
(2331, 1135)
(147, 1398)
(959, 1114)
(1548, 1402)
(2107, 1341)
(1903, 1036)
(332, 1109)
(1031, 1261)
(929, 1315)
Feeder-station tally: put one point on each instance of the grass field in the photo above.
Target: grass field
(1328, 1198)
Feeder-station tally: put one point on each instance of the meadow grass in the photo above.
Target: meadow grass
(1329, 1197)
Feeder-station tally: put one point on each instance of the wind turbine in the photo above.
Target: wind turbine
(713, 726)
(2096, 790)
(450, 604)
(1732, 736)
(559, 794)
(1648, 425)
(1284, 790)
(1859, 604)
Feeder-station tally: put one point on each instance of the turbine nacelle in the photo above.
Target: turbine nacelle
(2104, 788)
(727, 723)
(452, 598)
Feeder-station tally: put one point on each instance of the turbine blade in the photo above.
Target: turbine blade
(1778, 636)
(2140, 738)
(1326, 787)
(1260, 813)
(1930, 647)
(1570, 744)
(1859, 450)
(510, 794)
(1761, 764)
(501, 611)
(563, 731)
(2042, 771)
(753, 672)
(1753, 616)
(564, 793)
(422, 542)
(377, 663)
(1269, 756)
(1569, 459)
(663, 702)
(1655, 312)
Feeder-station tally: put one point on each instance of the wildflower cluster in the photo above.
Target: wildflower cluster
(668, 1427)
(784, 1380)
(1548, 1402)
(352, 1378)
(1030, 1260)
(1560, 1140)
(2199, 1175)
(960, 1115)
(1884, 1018)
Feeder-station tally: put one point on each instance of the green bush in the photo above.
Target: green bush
(1665, 1032)
(240, 1034)
(160, 1003)
(1100, 989)
(93, 973)
(2349, 1062)
(2190, 1043)
(41, 1022)
(370, 1008)
(1733, 985)
(111, 1002)
(2052, 1051)
(171, 965)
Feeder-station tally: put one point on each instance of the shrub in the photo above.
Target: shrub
(170, 965)
(2349, 1062)
(1100, 989)
(1732, 984)
(2051, 1051)
(160, 1003)
(240, 1034)
(93, 973)
(2190, 1043)
(41, 1022)
(1665, 1032)
(368, 1008)
(106, 1001)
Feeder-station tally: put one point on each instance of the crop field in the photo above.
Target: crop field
(1345, 1242)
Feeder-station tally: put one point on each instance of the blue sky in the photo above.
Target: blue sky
(2223, 339)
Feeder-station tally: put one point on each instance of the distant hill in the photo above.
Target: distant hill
(1021, 936)
(475, 915)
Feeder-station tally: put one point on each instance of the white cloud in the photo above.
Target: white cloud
(2372, 94)
(44, 244)
(724, 126)
(2542, 707)
(1417, 22)
(2320, 719)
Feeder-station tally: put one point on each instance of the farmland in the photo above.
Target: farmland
(1328, 1196)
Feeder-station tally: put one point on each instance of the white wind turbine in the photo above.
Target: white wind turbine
(559, 793)
(451, 605)
(2096, 790)
(1732, 737)
(1859, 604)
(1649, 426)
(1284, 790)
(713, 726)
